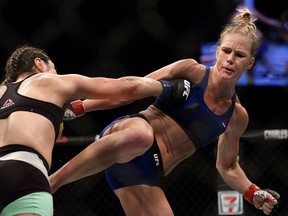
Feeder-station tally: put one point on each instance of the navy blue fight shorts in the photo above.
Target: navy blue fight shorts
(145, 169)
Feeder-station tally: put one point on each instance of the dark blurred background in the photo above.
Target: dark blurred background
(135, 37)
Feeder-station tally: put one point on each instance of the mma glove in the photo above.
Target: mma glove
(254, 191)
(177, 91)
(74, 110)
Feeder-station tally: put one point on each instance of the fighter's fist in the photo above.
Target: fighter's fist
(74, 110)
(264, 199)
(177, 91)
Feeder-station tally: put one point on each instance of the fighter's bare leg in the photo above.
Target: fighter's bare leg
(125, 140)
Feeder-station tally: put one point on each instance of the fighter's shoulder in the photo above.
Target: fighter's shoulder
(66, 78)
(189, 63)
(194, 71)
(56, 82)
(240, 116)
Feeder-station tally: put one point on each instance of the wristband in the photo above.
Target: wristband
(78, 107)
(249, 193)
(166, 88)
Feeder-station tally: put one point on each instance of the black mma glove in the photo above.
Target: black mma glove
(177, 91)
(276, 196)
(254, 191)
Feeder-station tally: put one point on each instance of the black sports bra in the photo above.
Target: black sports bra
(12, 101)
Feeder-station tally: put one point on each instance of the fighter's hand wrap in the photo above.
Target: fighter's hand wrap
(74, 110)
(254, 191)
(176, 91)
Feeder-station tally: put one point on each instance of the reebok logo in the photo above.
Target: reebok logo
(7, 103)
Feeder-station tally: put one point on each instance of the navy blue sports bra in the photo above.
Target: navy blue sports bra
(12, 101)
(194, 116)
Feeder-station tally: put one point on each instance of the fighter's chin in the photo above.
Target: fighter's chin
(227, 76)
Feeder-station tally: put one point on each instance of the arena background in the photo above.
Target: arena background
(117, 38)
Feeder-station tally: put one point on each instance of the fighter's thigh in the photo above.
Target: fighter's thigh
(144, 200)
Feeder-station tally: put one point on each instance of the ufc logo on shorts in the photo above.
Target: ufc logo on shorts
(187, 89)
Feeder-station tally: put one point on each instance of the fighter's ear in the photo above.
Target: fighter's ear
(251, 63)
(39, 64)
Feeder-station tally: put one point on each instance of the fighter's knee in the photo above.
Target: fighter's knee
(134, 143)
(141, 137)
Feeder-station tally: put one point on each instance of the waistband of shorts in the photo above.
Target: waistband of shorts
(138, 115)
(4, 150)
